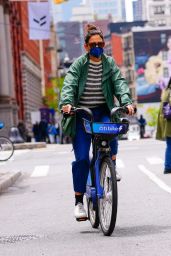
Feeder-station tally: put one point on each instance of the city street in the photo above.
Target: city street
(36, 213)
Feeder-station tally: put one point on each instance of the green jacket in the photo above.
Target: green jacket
(113, 84)
(163, 125)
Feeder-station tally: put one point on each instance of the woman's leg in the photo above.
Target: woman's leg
(168, 155)
(80, 167)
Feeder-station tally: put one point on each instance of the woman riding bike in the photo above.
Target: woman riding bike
(92, 81)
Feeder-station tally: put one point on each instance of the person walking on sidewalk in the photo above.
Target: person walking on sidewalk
(142, 124)
(164, 128)
(92, 81)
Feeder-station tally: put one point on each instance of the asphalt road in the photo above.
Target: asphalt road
(36, 214)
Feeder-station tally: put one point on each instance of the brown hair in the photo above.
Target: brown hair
(91, 31)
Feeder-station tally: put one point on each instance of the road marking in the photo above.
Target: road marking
(40, 171)
(155, 179)
(119, 163)
(155, 160)
(19, 152)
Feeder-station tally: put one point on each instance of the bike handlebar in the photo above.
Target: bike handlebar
(114, 111)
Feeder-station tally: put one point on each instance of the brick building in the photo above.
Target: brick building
(8, 106)
(26, 58)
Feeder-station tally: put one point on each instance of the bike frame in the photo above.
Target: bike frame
(98, 154)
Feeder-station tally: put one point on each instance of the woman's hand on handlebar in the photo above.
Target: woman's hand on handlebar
(131, 109)
(66, 108)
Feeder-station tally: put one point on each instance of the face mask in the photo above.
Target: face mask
(96, 51)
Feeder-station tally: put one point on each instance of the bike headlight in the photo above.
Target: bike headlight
(104, 143)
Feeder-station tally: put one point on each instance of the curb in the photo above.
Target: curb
(29, 145)
(8, 180)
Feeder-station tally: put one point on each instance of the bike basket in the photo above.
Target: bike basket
(110, 128)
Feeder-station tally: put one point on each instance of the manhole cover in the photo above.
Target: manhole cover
(15, 239)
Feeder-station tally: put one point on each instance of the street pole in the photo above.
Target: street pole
(42, 69)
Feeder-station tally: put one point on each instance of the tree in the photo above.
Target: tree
(152, 113)
(51, 99)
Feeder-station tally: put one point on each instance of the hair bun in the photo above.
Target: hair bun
(91, 27)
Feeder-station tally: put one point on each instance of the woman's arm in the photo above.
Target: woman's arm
(69, 89)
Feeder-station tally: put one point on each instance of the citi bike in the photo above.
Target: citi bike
(101, 189)
(6, 146)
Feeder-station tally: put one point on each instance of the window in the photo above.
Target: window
(165, 72)
(160, 9)
(164, 55)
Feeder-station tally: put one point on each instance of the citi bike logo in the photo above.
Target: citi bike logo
(110, 128)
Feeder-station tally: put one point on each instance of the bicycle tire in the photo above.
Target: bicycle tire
(6, 148)
(93, 214)
(110, 197)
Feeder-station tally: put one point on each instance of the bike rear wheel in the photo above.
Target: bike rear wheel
(6, 148)
(108, 204)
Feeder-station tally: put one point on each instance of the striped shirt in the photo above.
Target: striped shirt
(93, 95)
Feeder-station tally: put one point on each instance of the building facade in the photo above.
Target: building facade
(109, 8)
(157, 13)
(137, 7)
(70, 36)
(30, 79)
(91, 10)
(8, 104)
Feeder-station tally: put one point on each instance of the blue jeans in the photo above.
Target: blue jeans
(168, 154)
(81, 146)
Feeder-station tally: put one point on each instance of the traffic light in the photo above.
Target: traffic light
(59, 1)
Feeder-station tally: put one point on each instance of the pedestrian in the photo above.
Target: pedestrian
(43, 130)
(142, 124)
(23, 131)
(36, 132)
(164, 127)
(51, 132)
(92, 81)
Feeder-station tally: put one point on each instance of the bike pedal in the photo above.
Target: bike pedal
(82, 219)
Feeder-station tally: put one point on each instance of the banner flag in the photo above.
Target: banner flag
(39, 21)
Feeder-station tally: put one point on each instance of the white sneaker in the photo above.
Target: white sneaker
(80, 212)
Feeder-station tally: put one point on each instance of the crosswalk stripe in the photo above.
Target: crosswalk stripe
(155, 179)
(155, 160)
(40, 171)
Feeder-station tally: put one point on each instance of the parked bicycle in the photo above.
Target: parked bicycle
(6, 147)
(101, 190)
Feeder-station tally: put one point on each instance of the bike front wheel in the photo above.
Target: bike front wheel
(93, 214)
(6, 148)
(108, 203)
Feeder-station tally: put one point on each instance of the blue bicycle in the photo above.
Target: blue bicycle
(101, 189)
(6, 146)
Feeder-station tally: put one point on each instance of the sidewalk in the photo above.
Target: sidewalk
(29, 145)
(8, 178)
